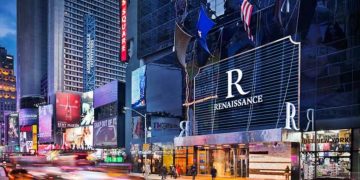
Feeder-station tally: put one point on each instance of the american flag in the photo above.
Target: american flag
(246, 10)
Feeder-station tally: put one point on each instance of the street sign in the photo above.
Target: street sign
(146, 147)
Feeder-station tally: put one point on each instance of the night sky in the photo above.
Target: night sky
(8, 26)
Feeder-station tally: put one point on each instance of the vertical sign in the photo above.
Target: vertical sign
(34, 132)
(123, 29)
(89, 53)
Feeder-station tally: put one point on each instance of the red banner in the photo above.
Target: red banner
(123, 30)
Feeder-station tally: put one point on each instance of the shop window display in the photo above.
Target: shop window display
(326, 154)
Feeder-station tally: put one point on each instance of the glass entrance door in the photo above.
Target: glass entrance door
(242, 163)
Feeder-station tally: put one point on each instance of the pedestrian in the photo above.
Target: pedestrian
(178, 170)
(143, 169)
(174, 171)
(163, 173)
(213, 173)
(193, 171)
(287, 173)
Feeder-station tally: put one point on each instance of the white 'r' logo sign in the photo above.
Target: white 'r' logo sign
(236, 83)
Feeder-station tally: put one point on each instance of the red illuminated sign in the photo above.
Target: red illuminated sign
(123, 30)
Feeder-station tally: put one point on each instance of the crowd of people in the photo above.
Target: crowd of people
(175, 171)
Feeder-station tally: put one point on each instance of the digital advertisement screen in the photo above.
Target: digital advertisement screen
(80, 137)
(138, 80)
(163, 126)
(45, 123)
(164, 89)
(106, 94)
(106, 111)
(105, 132)
(68, 107)
(137, 127)
(87, 108)
(6, 124)
(28, 117)
(28, 138)
(13, 129)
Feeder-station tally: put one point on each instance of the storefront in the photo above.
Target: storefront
(161, 154)
(254, 154)
(330, 153)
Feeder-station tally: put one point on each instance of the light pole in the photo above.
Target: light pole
(143, 115)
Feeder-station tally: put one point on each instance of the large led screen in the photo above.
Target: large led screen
(45, 123)
(28, 117)
(138, 80)
(68, 110)
(87, 108)
(28, 138)
(6, 124)
(106, 94)
(106, 111)
(13, 129)
(105, 132)
(137, 127)
(80, 137)
(163, 89)
(162, 126)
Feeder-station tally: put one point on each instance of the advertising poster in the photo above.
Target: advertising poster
(13, 129)
(106, 111)
(137, 127)
(28, 117)
(161, 126)
(6, 124)
(28, 138)
(138, 87)
(105, 132)
(87, 108)
(68, 108)
(79, 137)
(106, 94)
(45, 123)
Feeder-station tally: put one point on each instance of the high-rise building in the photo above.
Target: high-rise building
(91, 38)
(74, 43)
(7, 83)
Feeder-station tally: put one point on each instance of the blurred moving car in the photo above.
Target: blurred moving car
(3, 173)
(20, 174)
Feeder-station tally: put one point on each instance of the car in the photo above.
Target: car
(20, 174)
(3, 173)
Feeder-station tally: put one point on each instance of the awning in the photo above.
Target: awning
(268, 135)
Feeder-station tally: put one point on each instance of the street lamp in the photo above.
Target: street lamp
(143, 115)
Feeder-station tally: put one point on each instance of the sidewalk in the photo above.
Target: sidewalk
(198, 177)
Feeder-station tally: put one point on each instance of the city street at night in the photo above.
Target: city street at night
(179, 89)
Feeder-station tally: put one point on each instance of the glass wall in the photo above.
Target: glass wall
(326, 154)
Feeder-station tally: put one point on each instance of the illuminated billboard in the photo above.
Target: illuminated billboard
(79, 137)
(87, 108)
(13, 129)
(68, 108)
(45, 123)
(28, 117)
(138, 80)
(164, 126)
(105, 132)
(6, 124)
(28, 138)
(106, 94)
